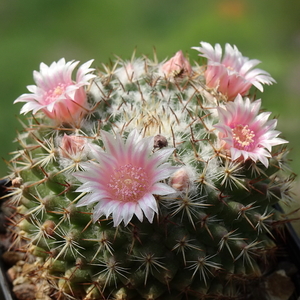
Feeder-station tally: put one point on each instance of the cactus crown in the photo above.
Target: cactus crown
(148, 180)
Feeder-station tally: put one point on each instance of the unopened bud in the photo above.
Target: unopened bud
(177, 66)
(180, 180)
(160, 141)
(71, 145)
(49, 227)
(17, 182)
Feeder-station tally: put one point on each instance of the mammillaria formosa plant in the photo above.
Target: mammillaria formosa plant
(148, 180)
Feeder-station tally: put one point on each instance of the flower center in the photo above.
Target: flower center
(128, 183)
(58, 90)
(243, 137)
(53, 94)
(230, 68)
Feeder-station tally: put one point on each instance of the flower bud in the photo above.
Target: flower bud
(177, 66)
(17, 182)
(72, 145)
(180, 180)
(49, 227)
(160, 141)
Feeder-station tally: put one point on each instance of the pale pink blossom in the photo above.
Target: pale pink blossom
(125, 178)
(177, 66)
(246, 133)
(233, 74)
(55, 93)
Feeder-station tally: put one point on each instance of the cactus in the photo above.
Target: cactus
(148, 180)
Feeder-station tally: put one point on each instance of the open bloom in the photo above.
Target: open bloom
(177, 66)
(125, 178)
(247, 134)
(233, 74)
(55, 93)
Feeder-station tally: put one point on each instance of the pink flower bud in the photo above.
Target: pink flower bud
(177, 66)
(180, 180)
(71, 145)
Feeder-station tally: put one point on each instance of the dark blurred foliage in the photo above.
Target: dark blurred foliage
(34, 31)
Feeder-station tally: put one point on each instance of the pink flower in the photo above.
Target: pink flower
(125, 178)
(55, 93)
(177, 66)
(247, 134)
(234, 74)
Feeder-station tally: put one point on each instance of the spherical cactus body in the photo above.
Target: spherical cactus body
(148, 180)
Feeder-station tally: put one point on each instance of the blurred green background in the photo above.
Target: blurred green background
(34, 31)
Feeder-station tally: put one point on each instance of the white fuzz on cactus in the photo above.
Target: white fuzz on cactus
(148, 180)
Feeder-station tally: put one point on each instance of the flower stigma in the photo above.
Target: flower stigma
(52, 95)
(129, 183)
(243, 137)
